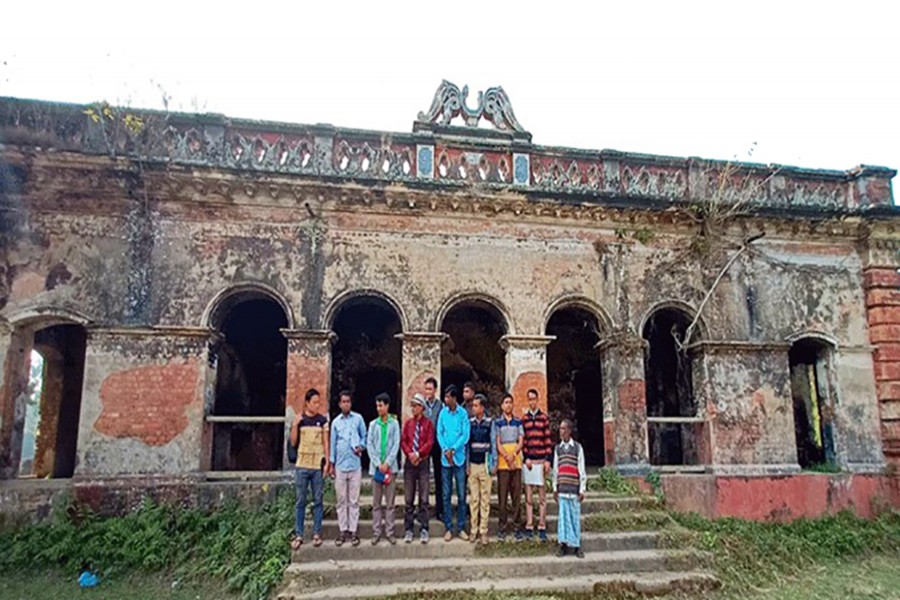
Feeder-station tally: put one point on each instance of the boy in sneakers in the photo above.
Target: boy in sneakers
(569, 485)
(509, 440)
(481, 456)
(383, 443)
(416, 442)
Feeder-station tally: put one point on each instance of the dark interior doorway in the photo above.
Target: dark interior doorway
(670, 388)
(472, 351)
(251, 378)
(366, 359)
(813, 414)
(574, 380)
(53, 404)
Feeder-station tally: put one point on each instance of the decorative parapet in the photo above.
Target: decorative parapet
(438, 154)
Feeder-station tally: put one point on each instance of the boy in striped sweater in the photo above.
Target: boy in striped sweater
(537, 450)
(569, 485)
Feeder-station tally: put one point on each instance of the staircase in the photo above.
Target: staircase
(620, 538)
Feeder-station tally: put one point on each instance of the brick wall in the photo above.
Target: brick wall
(882, 287)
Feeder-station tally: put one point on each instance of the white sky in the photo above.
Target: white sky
(812, 83)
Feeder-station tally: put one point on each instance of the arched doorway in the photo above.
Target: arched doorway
(671, 409)
(472, 351)
(574, 381)
(810, 363)
(251, 375)
(53, 402)
(366, 359)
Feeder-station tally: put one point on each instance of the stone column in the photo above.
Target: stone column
(15, 358)
(526, 368)
(624, 402)
(142, 405)
(421, 360)
(881, 280)
(308, 366)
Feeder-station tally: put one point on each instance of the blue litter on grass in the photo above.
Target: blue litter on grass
(88, 579)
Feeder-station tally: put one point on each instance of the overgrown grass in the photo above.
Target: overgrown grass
(245, 549)
(611, 481)
(750, 555)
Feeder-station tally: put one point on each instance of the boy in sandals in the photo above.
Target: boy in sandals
(309, 434)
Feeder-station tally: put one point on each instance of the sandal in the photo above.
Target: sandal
(317, 540)
(296, 542)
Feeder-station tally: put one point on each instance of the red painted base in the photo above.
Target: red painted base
(781, 498)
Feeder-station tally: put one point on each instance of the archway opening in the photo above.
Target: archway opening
(472, 351)
(813, 409)
(672, 433)
(53, 402)
(248, 411)
(574, 381)
(366, 359)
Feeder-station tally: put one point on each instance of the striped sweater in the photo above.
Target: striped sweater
(538, 445)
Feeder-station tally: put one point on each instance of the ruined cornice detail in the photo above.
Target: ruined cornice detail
(94, 177)
(437, 158)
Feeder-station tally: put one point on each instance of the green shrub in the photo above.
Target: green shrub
(246, 548)
(611, 481)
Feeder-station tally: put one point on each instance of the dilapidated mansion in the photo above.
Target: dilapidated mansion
(183, 279)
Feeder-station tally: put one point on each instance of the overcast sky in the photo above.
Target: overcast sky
(811, 83)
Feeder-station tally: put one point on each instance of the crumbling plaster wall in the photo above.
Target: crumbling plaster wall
(77, 251)
(142, 409)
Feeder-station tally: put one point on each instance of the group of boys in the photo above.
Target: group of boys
(459, 448)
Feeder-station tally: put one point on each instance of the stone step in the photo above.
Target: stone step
(438, 548)
(650, 583)
(591, 504)
(330, 527)
(366, 483)
(393, 571)
(604, 521)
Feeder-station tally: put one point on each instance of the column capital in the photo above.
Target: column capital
(321, 335)
(526, 341)
(422, 337)
(622, 339)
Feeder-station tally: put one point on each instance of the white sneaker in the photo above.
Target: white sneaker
(409, 537)
(424, 536)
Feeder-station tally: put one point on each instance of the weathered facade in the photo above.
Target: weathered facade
(191, 276)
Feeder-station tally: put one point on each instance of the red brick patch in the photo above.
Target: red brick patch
(304, 372)
(883, 278)
(887, 352)
(884, 314)
(882, 297)
(524, 382)
(148, 403)
(884, 333)
(887, 371)
(632, 395)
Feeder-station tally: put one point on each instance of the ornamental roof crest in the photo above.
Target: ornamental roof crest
(450, 102)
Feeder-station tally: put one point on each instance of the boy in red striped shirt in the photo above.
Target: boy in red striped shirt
(537, 450)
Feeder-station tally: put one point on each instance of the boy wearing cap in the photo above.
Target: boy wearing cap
(416, 442)
(453, 436)
(480, 460)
